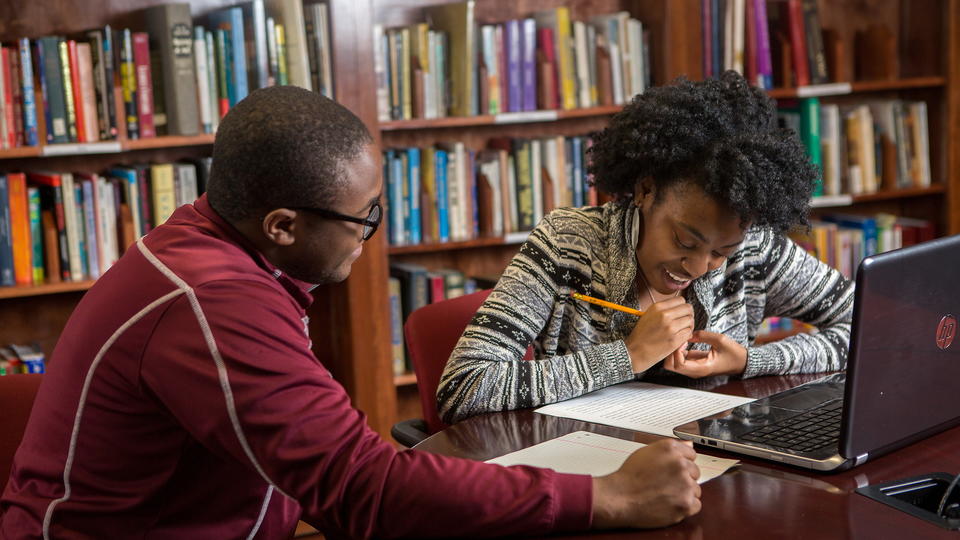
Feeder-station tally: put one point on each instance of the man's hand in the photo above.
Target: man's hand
(655, 487)
(662, 329)
(725, 357)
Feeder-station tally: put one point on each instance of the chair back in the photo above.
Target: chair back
(431, 333)
(17, 393)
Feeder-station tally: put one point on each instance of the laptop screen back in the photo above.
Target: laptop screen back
(904, 365)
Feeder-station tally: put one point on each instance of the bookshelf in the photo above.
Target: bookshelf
(926, 67)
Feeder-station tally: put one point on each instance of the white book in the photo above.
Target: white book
(72, 222)
(464, 220)
(203, 82)
(186, 183)
(581, 65)
(323, 39)
(553, 168)
(107, 223)
(380, 72)
(739, 13)
(635, 30)
(918, 110)
(289, 13)
(830, 138)
(728, 36)
(212, 82)
(626, 58)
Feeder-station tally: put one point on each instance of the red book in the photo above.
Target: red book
(9, 137)
(798, 43)
(141, 66)
(75, 88)
(16, 80)
(546, 46)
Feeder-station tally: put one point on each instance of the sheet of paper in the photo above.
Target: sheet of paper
(642, 406)
(582, 452)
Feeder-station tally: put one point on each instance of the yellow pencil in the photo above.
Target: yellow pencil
(604, 303)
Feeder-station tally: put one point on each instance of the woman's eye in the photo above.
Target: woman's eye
(681, 244)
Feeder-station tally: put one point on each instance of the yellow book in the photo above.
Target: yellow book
(163, 192)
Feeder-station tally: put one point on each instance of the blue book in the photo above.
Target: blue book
(51, 77)
(395, 197)
(90, 228)
(443, 199)
(29, 103)
(472, 172)
(80, 223)
(413, 196)
(577, 151)
(6, 241)
(866, 224)
(231, 20)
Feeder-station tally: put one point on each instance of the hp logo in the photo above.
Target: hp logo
(946, 331)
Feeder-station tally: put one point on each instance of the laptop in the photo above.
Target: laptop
(901, 381)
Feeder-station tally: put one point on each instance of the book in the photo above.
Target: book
(30, 136)
(69, 88)
(255, 34)
(88, 95)
(36, 235)
(810, 136)
(128, 83)
(457, 21)
(172, 39)
(102, 55)
(230, 20)
(144, 76)
(162, 191)
(558, 21)
(289, 15)
(6, 237)
(20, 228)
(396, 327)
(56, 245)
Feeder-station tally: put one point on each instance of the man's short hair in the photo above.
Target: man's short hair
(279, 147)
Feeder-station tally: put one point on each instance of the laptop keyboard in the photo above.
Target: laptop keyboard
(804, 432)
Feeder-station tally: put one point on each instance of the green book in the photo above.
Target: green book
(810, 135)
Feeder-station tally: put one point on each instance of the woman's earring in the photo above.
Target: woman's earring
(635, 227)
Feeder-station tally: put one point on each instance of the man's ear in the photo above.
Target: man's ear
(280, 226)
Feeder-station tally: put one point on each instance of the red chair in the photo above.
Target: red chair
(17, 393)
(431, 333)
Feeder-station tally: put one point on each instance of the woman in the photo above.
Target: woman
(705, 185)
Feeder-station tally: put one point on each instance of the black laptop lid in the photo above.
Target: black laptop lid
(904, 364)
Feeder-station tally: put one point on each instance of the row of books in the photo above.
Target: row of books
(863, 147)
(770, 42)
(61, 226)
(843, 240)
(413, 286)
(451, 66)
(450, 193)
(16, 359)
(174, 79)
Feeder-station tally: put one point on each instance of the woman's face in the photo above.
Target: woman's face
(684, 235)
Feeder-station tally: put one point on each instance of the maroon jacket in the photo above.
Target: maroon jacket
(183, 401)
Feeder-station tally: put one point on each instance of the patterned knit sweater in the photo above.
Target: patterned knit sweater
(579, 347)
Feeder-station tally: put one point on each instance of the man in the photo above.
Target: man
(183, 400)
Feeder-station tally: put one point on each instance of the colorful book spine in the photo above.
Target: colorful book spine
(764, 58)
(20, 228)
(6, 240)
(528, 64)
(414, 225)
(29, 101)
(128, 82)
(514, 66)
(141, 61)
(36, 235)
(68, 94)
(443, 201)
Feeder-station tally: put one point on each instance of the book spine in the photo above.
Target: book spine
(6, 239)
(764, 59)
(565, 55)
(76, 93)
(810, 135)
(88, 95)
(128, 80)
(36, 234)
(44, 92)
(443, 201)
(29, 95)
(141, 60)
(395, 197)
(20, 228)
(529, 64)
(7, 84)
(171, 33)
(69, 105)
(798, 43)
(816, 55)
(514, 65)
(213, 80)
(203, 80)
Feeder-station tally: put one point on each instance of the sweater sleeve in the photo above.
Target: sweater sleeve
(244, 383)
(800, 286)
(486, 371)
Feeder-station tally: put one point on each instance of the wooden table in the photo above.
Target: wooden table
(758, 499)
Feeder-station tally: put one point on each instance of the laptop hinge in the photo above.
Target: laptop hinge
(860, 459)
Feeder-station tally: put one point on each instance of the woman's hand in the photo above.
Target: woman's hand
(663, 328)
(725, 357)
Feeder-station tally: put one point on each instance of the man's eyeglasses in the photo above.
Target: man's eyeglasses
(370, 223)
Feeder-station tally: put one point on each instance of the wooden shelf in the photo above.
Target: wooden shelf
(529, 117)
(20, 152)
(836, 89)
(170, 141)
(106, 147)
(406, 379)
(38, 290)
(510, 239)
(833, 201)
